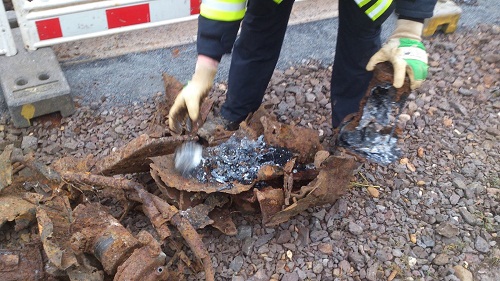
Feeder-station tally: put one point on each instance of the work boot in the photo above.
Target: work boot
(217, 129)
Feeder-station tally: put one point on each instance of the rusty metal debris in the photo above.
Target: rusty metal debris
(368, 132)
(286, 172)
(121, 254)
(134, 156)
(23, 264)
(54, 225)
(13, 207)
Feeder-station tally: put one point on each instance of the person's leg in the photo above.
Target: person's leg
(358, 39)
(254, 56)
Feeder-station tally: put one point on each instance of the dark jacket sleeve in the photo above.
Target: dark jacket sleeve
(418, 9)
(216, 38)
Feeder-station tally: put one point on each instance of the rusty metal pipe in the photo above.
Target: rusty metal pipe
(98, 233)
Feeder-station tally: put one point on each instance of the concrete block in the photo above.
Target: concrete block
(33, 84)
(445, 18)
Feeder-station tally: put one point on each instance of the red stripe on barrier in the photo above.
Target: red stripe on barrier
(195, 7)
(48, 29)
(126, 16)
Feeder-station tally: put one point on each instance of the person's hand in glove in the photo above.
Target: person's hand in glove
(405, 51)
(188, 101)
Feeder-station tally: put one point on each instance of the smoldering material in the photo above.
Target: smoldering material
(187, 157)
(238, 159)
(368, 138)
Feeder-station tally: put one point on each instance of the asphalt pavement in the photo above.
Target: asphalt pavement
(133, 77)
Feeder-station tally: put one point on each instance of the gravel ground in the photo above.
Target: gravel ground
(434, 215)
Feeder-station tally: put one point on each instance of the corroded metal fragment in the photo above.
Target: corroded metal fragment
(223, 222)
(271, 201)
(164, 167)
(54, 224)
(146, 263)
(134, 156)
(302, 141)
(330, 185)
(96, 232)
(25, 264)
(14, 207)
(198, 215)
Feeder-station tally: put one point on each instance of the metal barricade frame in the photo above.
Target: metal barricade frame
(45, 22)
(7, 45)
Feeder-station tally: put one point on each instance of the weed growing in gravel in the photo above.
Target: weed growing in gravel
(494, 182)
(485, 221)
(455, 247)
(364, 183)
(495, 261)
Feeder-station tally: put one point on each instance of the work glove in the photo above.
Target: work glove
(188, 101)
(406, 52)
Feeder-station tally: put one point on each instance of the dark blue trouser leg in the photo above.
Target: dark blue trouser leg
(254, 56)
(358, 39)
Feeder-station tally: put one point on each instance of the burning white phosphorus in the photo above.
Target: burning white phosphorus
(187, 157)
(238, 159)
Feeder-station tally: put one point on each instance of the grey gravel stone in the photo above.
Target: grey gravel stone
(284, 237)
(29, 143)
(244, 231)
(441, 259)
(447, 229)
(263, 239)
(467, 216)
(482, 245)
(454, 199)
(290, 276)
(356, 258)
(236, 264)
(318, 235)
(317, 267)
(355, 229)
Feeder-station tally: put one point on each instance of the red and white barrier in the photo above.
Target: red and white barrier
(48, 22)
(7, 45)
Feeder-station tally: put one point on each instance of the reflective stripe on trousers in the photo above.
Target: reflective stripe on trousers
(223, 10)
(374, 8)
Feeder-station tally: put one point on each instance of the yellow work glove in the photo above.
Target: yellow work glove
(188, 101)
(405, 51)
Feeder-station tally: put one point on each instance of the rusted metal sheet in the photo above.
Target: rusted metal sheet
(271, 201)
(179, 198)
(331, 184)
(85, 271)
(21, 265)
(223, 222)
(198, 215)
(72, 164)
(187, 231)
(302, 141)
(164, 166)
(134, 156)
(14, 207)
(96, 232)
(54, 225)
(146, 263)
